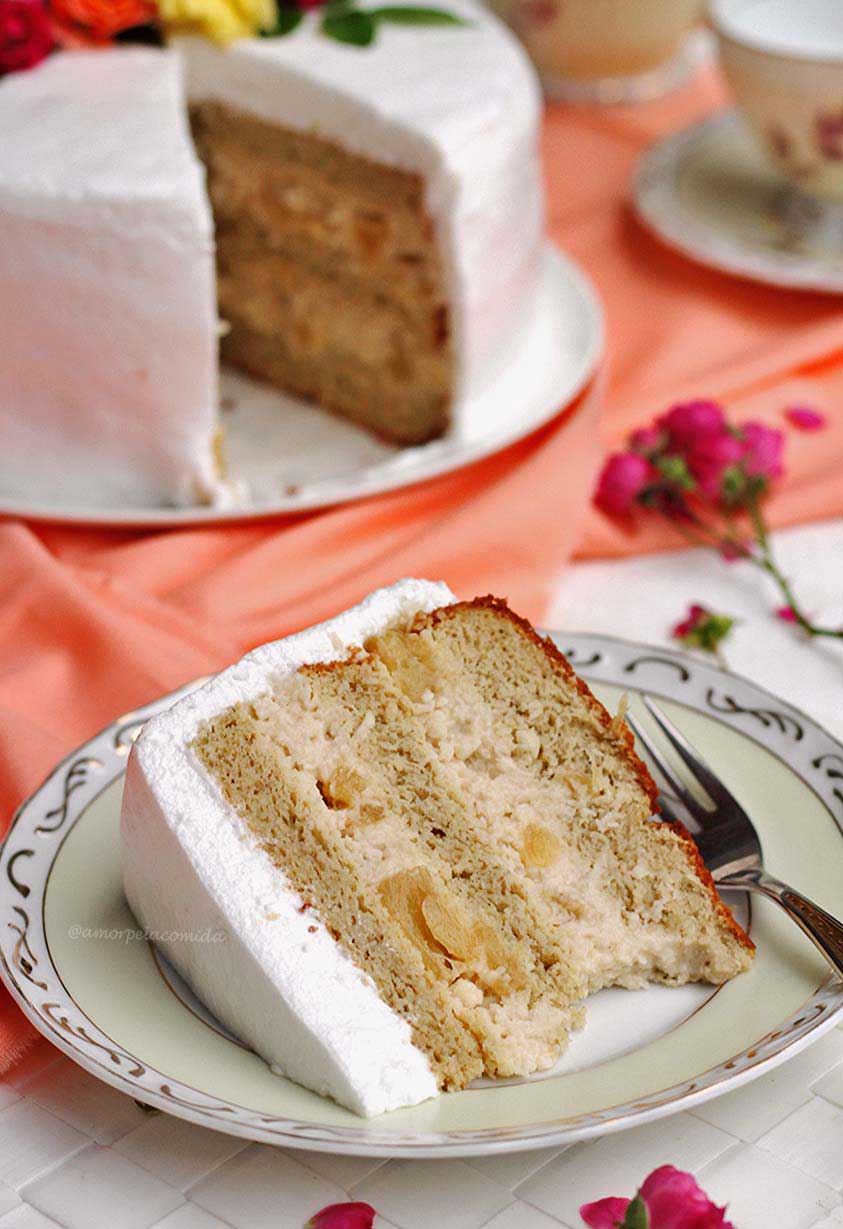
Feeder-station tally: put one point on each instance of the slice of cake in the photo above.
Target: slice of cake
(377, 215)
(425, 841)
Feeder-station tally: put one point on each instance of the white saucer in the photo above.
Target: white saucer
(709, 192)
(286, 455)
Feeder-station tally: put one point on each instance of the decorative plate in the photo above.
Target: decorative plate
(290, 456)
(76, 962)
(710, 192)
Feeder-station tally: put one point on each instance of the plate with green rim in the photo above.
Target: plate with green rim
(84, 973)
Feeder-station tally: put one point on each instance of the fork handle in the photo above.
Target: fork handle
(825, 930)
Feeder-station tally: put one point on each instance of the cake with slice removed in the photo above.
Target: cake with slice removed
(425, 842)
(367, 222)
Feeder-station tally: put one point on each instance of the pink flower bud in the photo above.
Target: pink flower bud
(343, 1216)
(647, 441)
(804, 418)
(686, 423)
(621, 481)
(731, 550)
(762, 450)
(691, 621)
(787, 614)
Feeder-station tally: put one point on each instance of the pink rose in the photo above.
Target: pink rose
(622, 479)
(804, 418)
(709, 456)
(26, 36)
(686, 423)
(732, 549)
(343, 1216)
(762, 450)
(672, 1199)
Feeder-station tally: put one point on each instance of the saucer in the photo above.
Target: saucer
(709, 192)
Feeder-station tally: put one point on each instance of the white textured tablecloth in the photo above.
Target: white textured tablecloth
(78, 1154)
(642, 598)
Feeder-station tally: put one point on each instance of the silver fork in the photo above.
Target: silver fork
(726, 836)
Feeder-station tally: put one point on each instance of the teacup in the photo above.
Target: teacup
(604, 50)
(784, 62)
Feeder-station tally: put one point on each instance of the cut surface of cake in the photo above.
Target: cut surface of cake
(377, 220)
(426, 843)
(379, 213)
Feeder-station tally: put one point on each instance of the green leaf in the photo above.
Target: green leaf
(636, 1215)
(350, 26)
(288, 18)
(411, 15)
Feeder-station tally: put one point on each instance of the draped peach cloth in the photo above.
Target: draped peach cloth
(96, 622)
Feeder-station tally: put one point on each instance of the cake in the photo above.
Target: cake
(425, 843)
(377, 221)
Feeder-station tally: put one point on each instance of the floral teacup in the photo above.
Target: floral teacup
(784, 62)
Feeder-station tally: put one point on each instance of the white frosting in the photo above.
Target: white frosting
(459, 105)
(108, 365)
(108, 369)
(190, 864)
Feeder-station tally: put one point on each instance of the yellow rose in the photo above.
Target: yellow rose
(221, 20)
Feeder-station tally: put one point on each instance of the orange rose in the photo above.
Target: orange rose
(81, 21)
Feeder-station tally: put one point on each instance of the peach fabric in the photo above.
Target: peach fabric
(95, 622)
(678, 330)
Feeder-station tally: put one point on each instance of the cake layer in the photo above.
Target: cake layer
(359, 357)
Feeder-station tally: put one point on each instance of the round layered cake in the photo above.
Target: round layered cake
(358, 226)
